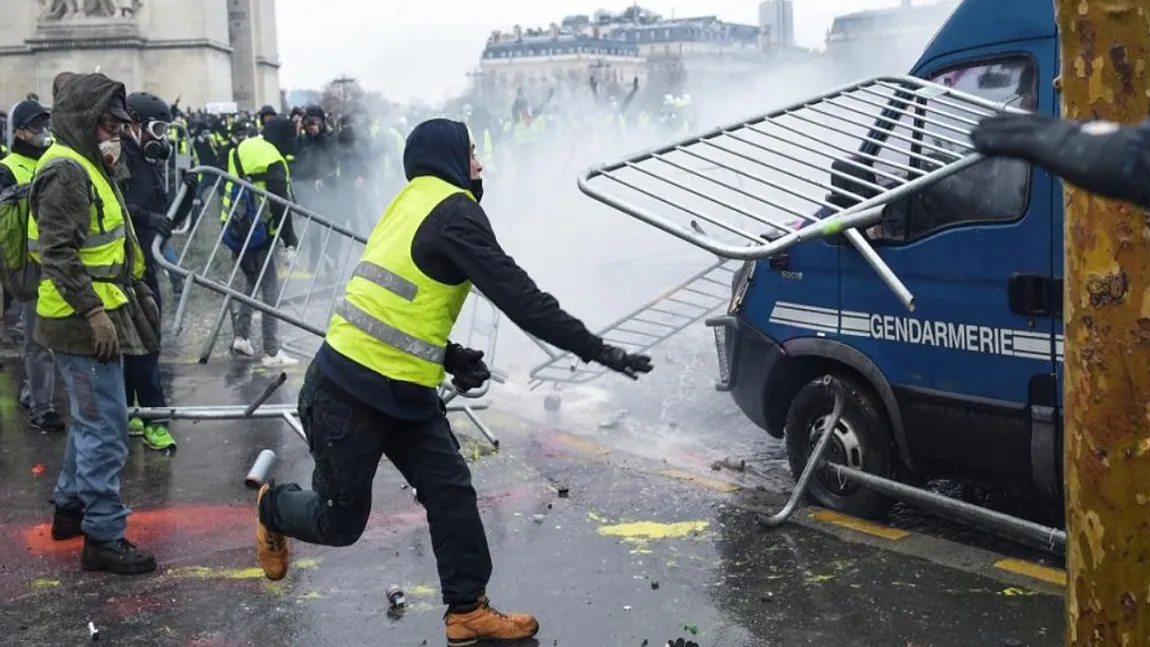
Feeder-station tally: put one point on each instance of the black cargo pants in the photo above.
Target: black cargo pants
(347, 439)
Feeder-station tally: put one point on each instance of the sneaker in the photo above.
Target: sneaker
(485, 623)
(136, 427)
(49, 422)
(271, 547)
(158, 437)
(243, 346)
(280, 359)
(118, 556)
(66, 523)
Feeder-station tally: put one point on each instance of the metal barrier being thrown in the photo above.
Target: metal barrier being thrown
(299, 290)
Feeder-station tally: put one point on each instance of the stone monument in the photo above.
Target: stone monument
(202, 51)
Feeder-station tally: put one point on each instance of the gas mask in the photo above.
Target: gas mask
(157, 149)
(41, 140)
(110, 151)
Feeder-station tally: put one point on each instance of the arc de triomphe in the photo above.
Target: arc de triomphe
(201, 50)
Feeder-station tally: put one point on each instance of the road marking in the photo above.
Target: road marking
(1031, 569)
(714, 484)
(859, 525)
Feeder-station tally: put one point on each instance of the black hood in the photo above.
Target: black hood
(281, 133)
(440, 148)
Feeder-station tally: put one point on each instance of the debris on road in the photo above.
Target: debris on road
(395, 597)
(614, 421)
(563, 492)
(731, 463)
(93, 632)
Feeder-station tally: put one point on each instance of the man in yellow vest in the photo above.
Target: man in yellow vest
(30, 138)
(260, 160)
(92, 307)
(371, 389)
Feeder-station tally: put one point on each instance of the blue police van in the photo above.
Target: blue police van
(966, 386)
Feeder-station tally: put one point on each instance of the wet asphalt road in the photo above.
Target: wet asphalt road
(587, 565)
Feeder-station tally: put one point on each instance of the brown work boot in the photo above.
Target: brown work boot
(271, 547)
(485, 623)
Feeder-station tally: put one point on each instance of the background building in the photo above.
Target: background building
(209, 51)
(617, 48)
(777, 24)
(883, 41)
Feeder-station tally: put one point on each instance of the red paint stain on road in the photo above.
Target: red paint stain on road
(212, 526)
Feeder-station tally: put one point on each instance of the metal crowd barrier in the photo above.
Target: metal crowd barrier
(819, 168)
(275, 287)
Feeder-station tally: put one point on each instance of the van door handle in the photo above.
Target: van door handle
(1035, 295)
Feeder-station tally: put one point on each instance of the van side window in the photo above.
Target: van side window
(992, 190)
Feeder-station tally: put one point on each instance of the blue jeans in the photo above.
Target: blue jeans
(97, 447)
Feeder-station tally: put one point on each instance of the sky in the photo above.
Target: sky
(423, 49)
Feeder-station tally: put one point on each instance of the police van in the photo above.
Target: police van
(966, 385)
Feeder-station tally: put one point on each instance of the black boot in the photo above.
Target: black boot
(66, 523)
(119, 556)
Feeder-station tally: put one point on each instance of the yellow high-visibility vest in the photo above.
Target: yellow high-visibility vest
(104, 251)
(394, 319)
(22, 167)
(255, 155)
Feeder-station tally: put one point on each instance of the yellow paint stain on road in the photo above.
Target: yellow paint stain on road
(1030, 569)
(44, 584)
(639, 533)
(654, 529)
(209, 573)
(859, 525)
(582, 445)
(421, 591)
(710, 483)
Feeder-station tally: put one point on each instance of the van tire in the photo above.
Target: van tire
(863, 424)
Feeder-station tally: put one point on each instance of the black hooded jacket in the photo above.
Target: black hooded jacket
(145, 194)
(456, 243)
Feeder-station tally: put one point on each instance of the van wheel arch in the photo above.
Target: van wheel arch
(809, 357)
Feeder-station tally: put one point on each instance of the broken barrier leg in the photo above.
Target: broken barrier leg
(814, 462)
(305, 305)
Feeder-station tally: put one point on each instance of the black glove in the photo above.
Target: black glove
(682, 642)
(467, 368)
(621, 361)
(160, 224)
(1107, 159)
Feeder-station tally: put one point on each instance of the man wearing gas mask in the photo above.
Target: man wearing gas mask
(28, 140)
(146, 149)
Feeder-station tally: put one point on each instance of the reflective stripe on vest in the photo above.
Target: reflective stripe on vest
(394, 319)
(22, 167)
(104, 250)
(256, 155)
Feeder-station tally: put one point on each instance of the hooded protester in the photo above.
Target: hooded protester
(93, 307)
(372, 389)
(29, 139)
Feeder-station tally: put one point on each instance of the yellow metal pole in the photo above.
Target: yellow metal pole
(1105, 49)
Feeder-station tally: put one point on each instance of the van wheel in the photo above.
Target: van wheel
(862, 440)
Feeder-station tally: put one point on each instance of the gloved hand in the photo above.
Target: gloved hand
(192, 182)
(104, 337)
(1104, 158)
(682, 642)
(466, 366)
(621, 361)
(160, 224)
